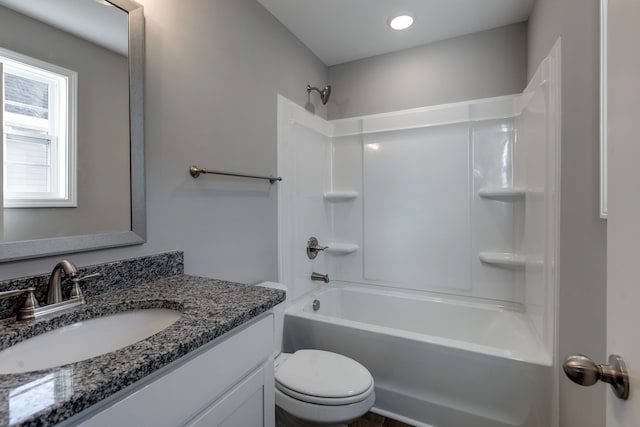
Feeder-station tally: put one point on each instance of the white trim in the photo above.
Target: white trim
(34, 62)
(603, 109)
(555, 94)
(499, 107)
(72, 136)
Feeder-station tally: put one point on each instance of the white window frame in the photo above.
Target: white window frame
(64, 139)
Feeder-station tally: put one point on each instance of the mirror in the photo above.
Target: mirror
(72, 121)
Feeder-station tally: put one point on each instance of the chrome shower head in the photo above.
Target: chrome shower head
(324, 93)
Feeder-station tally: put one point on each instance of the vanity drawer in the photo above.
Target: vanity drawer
(193, 384)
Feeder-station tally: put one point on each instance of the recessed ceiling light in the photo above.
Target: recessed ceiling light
(103, 2)
(401, 22)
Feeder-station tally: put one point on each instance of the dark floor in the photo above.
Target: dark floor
(374, 420)
(369, 419)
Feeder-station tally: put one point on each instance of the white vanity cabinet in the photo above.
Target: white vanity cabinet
(228, 382)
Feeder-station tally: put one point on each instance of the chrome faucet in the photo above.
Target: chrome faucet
(55, 304)
(54, 292)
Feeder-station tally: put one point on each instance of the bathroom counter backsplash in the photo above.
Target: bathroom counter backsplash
(113, 276)
(209, 309)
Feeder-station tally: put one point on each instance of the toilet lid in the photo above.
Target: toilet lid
(323, 374)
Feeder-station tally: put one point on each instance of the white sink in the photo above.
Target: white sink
(85, 339)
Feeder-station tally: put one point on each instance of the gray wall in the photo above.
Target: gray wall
(103, 135)
(480, 65)
(213, 70)
(582, 319)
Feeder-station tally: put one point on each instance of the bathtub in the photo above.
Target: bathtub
(435, 362)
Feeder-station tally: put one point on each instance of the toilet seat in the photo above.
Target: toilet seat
(329, 401)
(323, 374)
(321, 386)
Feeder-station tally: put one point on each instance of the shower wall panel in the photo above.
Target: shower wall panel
(537, 160)
(417, 208)
(424, 223)
(304, 157)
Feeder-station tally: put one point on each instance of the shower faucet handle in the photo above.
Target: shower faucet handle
(313, 247)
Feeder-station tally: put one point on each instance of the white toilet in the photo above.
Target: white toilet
(316, 387)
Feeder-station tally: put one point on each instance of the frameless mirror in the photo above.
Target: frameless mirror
(72, 123)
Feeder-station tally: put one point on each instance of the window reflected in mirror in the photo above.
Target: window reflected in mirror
(39, 129)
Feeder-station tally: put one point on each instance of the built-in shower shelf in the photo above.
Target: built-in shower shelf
(503, 259)
(341, 248)
(513, 193)
(339, 196)
(509, 260)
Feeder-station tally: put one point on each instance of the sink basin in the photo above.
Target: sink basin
(85, 339)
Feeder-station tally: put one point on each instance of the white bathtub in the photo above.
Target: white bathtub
(436, 362)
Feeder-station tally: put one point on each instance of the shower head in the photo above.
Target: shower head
(324, 93)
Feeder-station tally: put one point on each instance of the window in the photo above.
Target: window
(38, 126)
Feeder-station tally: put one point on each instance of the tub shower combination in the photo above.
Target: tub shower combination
(438, 229)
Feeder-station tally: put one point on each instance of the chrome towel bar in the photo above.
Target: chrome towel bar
(195, 172)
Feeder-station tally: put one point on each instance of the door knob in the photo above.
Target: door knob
(584, 371)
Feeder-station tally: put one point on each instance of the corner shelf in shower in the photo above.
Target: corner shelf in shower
(341, 248)
(340, 196)
(509, 260)
(511, 193)
(503, 259)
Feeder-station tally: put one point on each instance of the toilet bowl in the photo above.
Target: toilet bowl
(316, 387)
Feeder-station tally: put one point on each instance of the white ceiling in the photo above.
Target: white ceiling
(106, 26)
(339, 31)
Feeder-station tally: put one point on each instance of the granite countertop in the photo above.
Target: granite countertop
(209, 309)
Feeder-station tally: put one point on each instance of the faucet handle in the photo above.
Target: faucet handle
(76, 292)
(313, 247)
(87, 277)
(15, 293)
(28, 309)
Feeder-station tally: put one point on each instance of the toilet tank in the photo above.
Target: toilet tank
(278, 312)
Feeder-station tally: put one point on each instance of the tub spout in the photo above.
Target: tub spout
(317, 277)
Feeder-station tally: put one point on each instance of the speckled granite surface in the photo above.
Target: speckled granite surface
(114, 275)
(209, 309)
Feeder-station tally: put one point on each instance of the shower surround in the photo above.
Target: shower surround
(455, 202)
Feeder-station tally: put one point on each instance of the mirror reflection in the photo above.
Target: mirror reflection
(64, 119)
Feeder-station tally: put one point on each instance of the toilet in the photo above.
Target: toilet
(317, 387)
